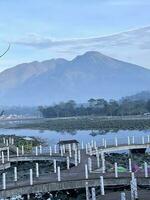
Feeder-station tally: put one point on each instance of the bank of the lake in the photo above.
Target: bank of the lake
(105, 124)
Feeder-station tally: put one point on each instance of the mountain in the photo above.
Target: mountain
(144, 96)
(89, 75)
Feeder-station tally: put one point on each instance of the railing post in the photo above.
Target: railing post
(68, 162)
(98, 160)
(105, 143)
(70, 150)
(82, 145)
(15, 174)
(148, 139)
(22, 150)
(87, 190)
(123, 196)
(79, 156)
(103, 162)
(116, 170)
(36, 151)
(90, 164)
(128, 140)
(58, 173)
(50, 151)
(3, 158)
(145, 169)
(143, 140)
(116, 141)
(133, 140)
(4, 180)
(55, 148)
(86, 149)
(40, 149)
(55, 165)
(37, 170)
(31, 177)
(8, 154)
(102, 185)
(130, 165)
(86, 171)
(17, 151)
(93, 194)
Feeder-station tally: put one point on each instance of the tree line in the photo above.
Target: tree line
(96, 107)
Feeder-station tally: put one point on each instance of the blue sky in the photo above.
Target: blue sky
(42, 29)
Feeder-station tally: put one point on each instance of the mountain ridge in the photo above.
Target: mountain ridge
(89, 75)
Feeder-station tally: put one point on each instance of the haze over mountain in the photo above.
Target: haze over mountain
(91, 75)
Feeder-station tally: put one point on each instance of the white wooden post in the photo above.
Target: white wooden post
(123, 196)
(37, 170)
(4, 140)
(55, 165)
(36, 151)
(102, 185)
(31, 177)
(90, 164)
(76, 158)
(95, 145)
(103, 162)
(133, 140)
(86, 149)
(64, 149)
(40, 149)
(58, 173)
(145, 169)
(12, 141)
(79, 156)
(148, 139)
(50, 151)
(130, 165)
(3, 159)
(22, 150)
(82, 145)
(8, 154)
(61, 150)
(105, 143)
(86, 171)
(98, 160)
(55, 148)
(93, 194)
(17, 151)
(134, 193)
(70, 150)
(92, 143)
(68, 162)
(4, 181)
(7, 142)
(116, 170)
(87, 190)
(90, 150)
(132, 176)
(128, 140)
(116, 141)
(143, 140)
(15, 174)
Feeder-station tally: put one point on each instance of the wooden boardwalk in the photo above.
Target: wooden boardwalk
(72, 178)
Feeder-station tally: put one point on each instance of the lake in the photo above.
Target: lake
(52, 137)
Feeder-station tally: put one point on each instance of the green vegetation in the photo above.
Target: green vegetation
(22, 141)
(96, 107)
(89, 123)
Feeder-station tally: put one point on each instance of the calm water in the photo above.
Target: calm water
(52, 137)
